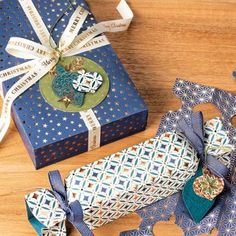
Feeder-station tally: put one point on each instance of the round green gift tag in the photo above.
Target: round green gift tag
(72, 64)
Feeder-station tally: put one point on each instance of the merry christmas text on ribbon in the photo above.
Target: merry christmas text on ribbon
(43, 57)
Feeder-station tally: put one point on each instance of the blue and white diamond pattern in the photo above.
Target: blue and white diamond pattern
(57, 230)
(44, 206)
(130, 179)
(217, 142)
(87, 82)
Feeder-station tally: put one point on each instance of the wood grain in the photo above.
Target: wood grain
(194, 40)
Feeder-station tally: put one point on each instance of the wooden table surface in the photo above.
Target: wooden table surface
(194, 40)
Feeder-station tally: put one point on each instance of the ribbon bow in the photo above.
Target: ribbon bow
(195, 134)
(74, 211)
(46, 55)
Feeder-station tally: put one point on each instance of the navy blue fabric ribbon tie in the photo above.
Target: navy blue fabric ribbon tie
(194, 132)
(74, 211)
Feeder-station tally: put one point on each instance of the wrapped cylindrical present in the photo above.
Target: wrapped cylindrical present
(118, 184)
(74, 95)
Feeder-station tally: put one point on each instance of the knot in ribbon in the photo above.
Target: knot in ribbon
(194, 132)
(74, 211)
(46, 55)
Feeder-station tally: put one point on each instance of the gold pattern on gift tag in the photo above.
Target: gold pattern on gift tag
(76, 65)
(66, 100)
(208, 185)
(53, 71)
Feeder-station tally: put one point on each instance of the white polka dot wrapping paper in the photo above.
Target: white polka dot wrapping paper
(52, 128)
(122, 182)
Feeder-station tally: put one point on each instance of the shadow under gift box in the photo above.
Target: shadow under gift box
(52, 135)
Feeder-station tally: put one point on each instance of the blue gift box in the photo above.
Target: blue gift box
(52, 135)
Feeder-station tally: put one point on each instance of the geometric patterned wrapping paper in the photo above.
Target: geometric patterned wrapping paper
(123, 182)
(127, 180)
(222, 215)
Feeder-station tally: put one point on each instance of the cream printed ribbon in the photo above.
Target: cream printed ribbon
(46, 55)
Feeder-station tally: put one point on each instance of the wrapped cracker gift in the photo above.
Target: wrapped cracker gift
(103, 191)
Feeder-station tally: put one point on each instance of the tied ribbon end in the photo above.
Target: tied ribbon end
(74, 211)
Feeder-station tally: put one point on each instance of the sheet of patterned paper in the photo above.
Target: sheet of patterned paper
(222, 216)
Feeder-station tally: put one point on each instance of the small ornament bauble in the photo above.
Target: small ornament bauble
(208, 185)
(87, 82)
